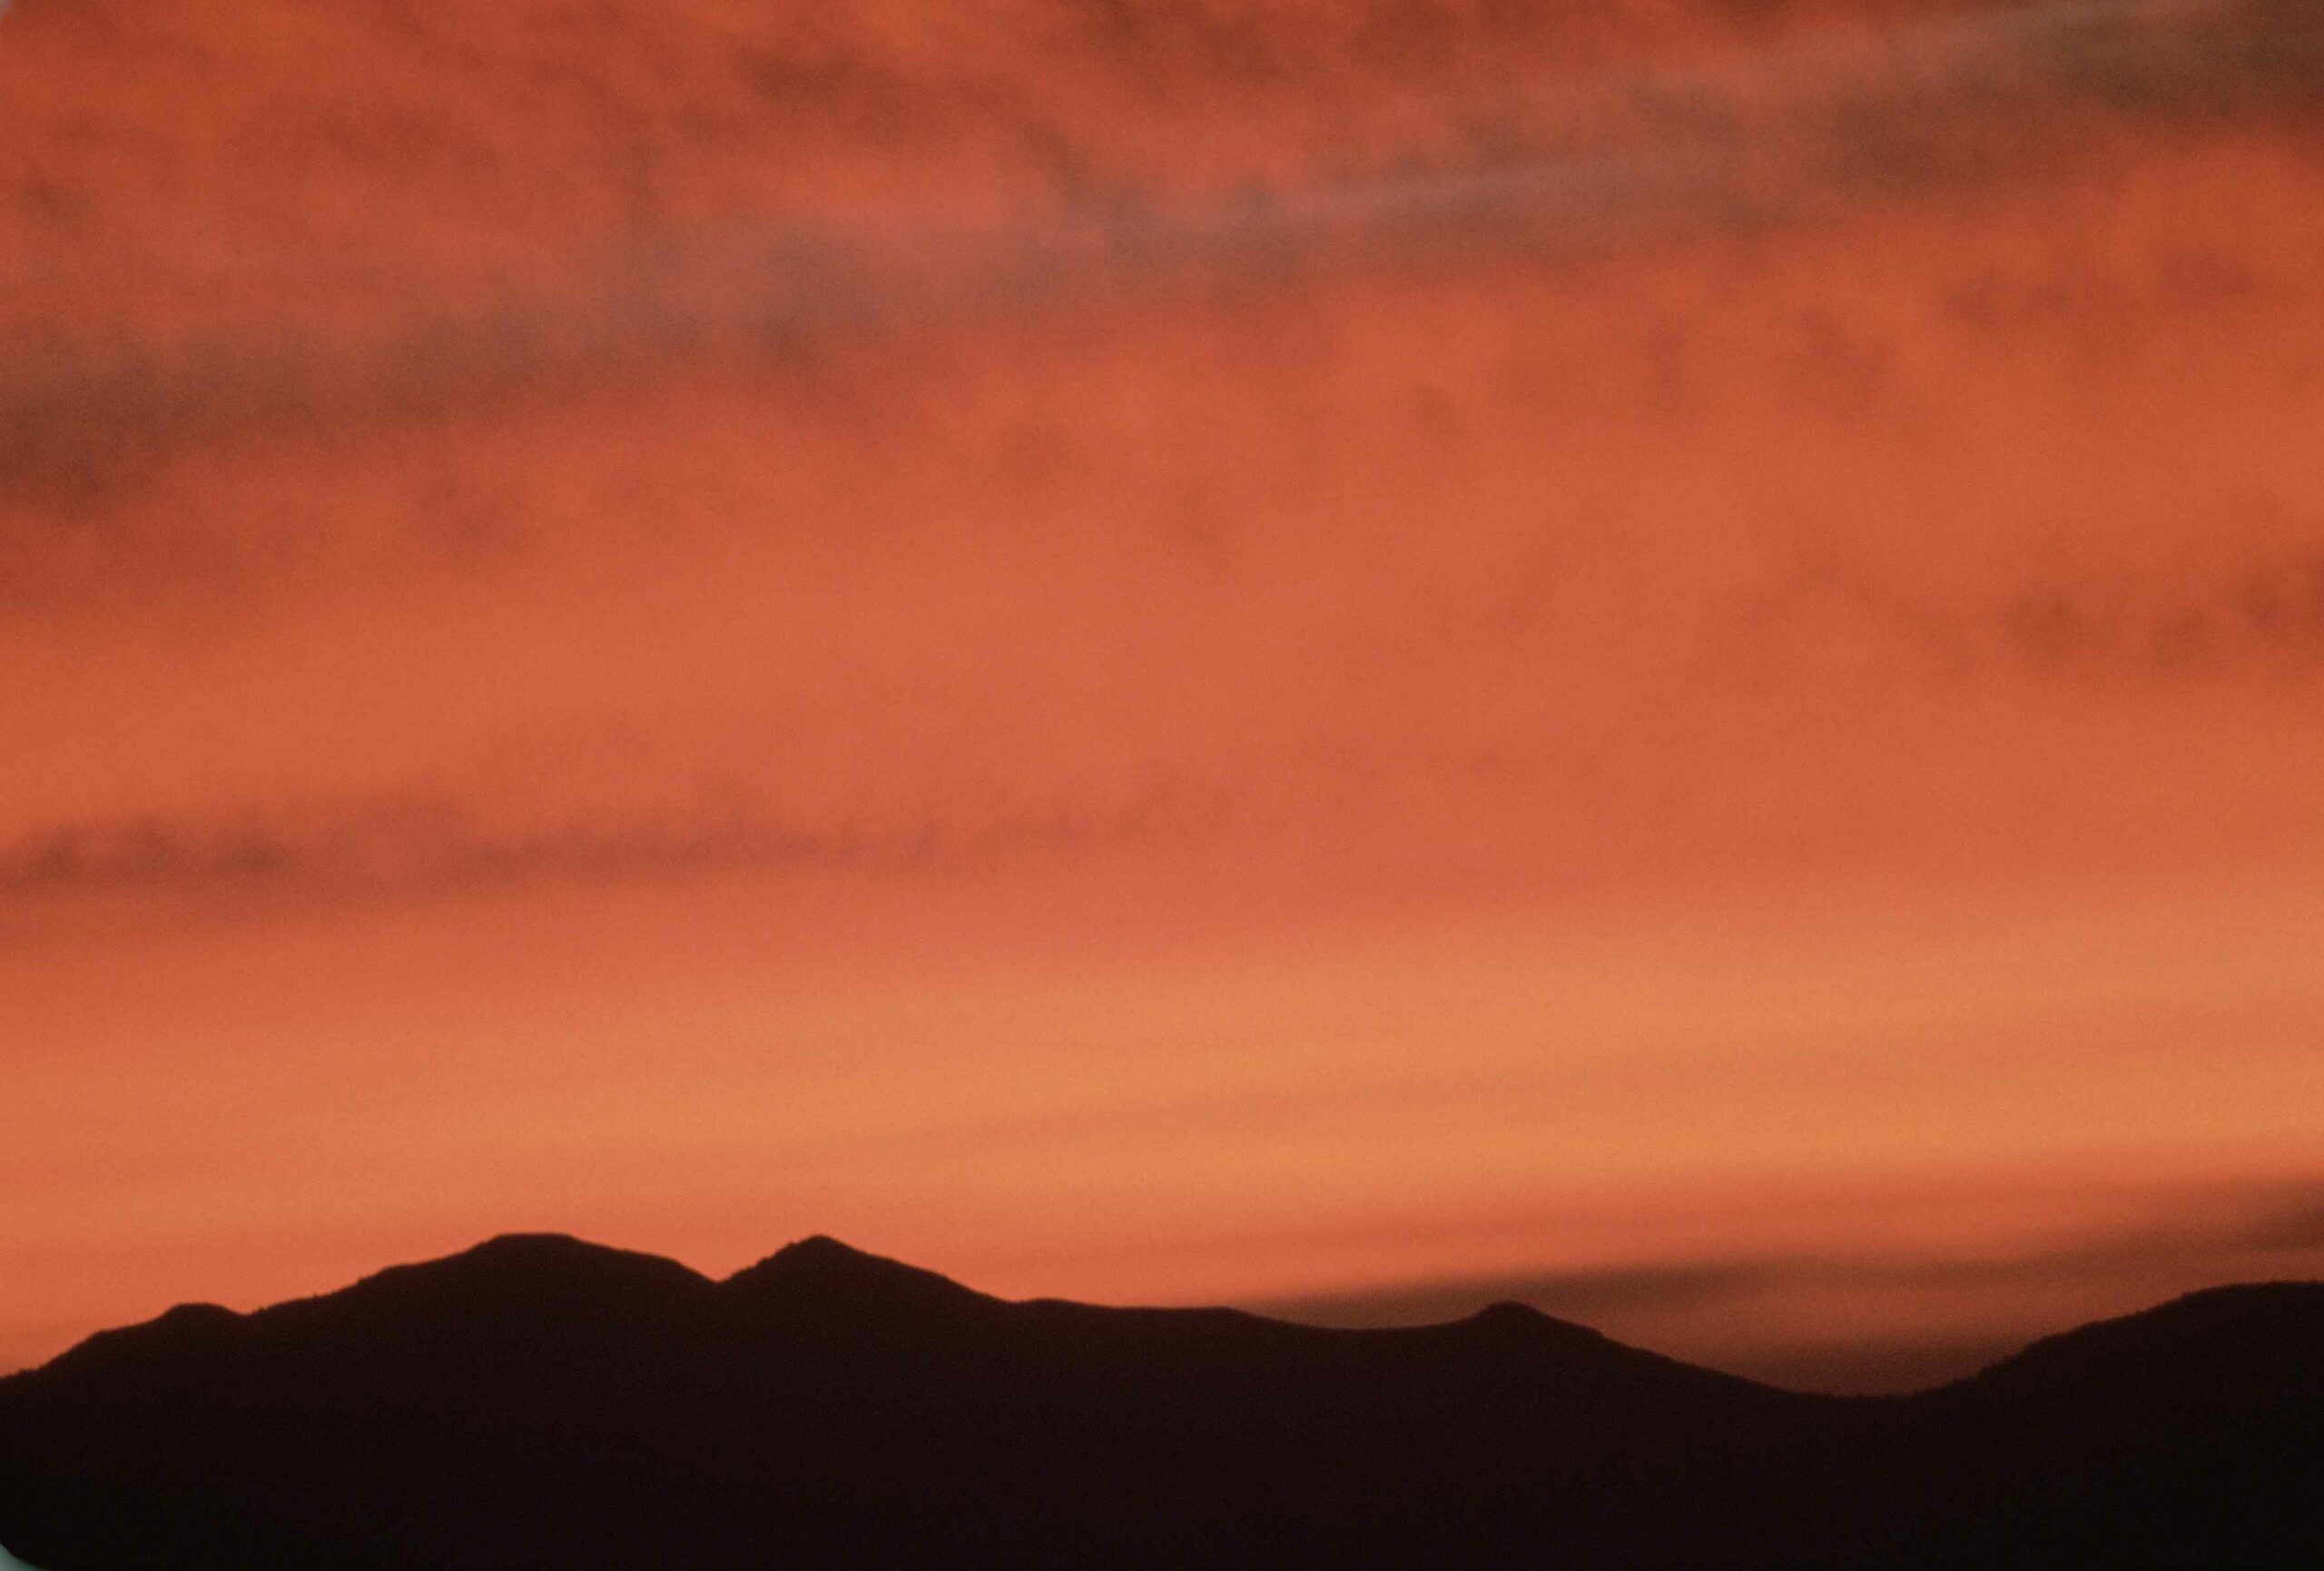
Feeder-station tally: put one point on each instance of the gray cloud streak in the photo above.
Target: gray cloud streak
(2277, 1232)
(1803, 135)
(418, 848)
(2237, 608)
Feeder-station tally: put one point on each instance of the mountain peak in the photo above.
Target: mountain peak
(1520, 1325)
(1508, 1312)
(821, 1272)
(182, 1332)
(822, 1247)
(537, 1272)
(540, 1248)
(551, 1255)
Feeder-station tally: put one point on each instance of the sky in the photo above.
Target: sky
(1352, 658)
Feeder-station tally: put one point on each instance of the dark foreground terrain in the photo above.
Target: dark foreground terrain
(543, 1402)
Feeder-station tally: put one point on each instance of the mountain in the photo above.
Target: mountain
(538, 1401)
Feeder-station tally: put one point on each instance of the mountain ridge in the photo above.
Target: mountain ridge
(541, 1401)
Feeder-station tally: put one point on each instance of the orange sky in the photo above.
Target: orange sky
(1346, 658)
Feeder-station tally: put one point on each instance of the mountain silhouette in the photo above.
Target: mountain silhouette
(538, 1401)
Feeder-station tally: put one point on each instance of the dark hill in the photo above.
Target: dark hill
(543, 1402)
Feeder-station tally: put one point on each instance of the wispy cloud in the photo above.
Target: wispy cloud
(1581, 167)
(417, 849)
(1983, 1305)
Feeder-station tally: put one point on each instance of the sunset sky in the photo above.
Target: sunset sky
(1346, 655)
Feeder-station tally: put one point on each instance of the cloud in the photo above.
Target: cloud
(2294, 1227)
(418, 848)
(1549, 439)
(1985, 1306)
(1583, 167)
(2241, 600)
(1578, 1295)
